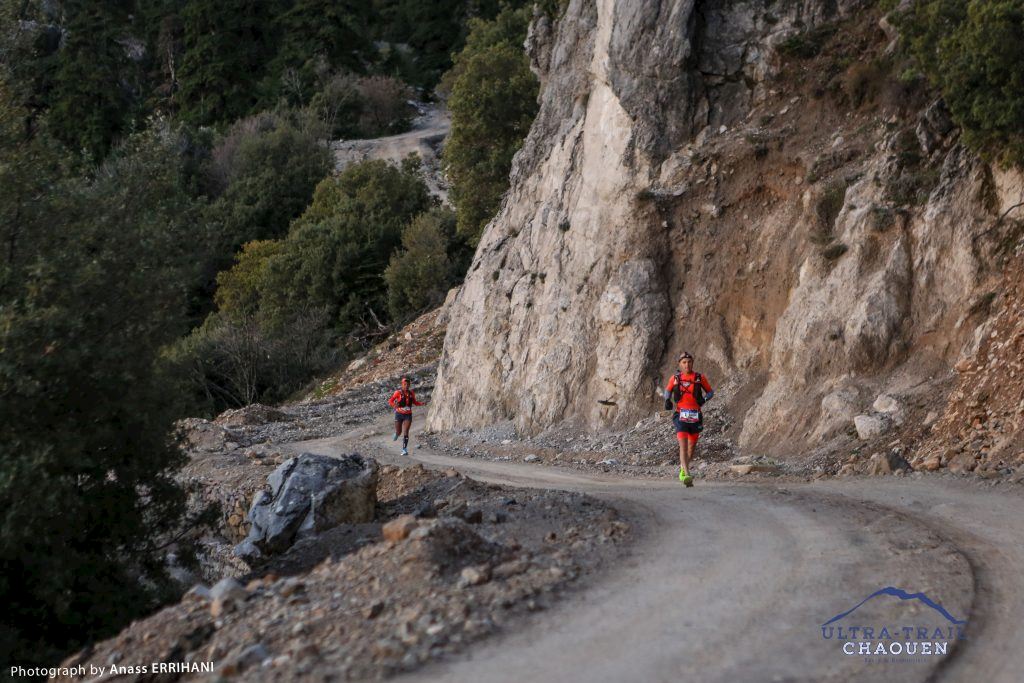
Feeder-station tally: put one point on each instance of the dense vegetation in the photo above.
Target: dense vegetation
(172, 242)
(493, 102)
(94, 280)
(973, 51)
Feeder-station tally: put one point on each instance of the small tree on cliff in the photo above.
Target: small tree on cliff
(493, 102)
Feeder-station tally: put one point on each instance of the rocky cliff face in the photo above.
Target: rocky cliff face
(686, 187)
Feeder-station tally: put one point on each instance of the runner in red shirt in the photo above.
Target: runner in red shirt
(686, 392)
(402, 401)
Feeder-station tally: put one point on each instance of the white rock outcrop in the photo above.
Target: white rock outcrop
(605, 260)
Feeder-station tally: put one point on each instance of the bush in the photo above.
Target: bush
(807, 44)
(830, 204)
(237, 359)
(385, 108)
(238, 288)
(864, 81)
(335, 254)
(973, 51)
(493, 102)
(266, 168)
(419, 276)
(93, 285)
(339, 106)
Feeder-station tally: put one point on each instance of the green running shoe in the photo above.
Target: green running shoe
(687, 480)
(683, 475)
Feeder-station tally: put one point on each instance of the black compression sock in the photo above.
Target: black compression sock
(405, 442)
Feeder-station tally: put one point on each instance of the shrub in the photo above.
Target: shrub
(238, 288)
(973, 51)
(335, 254)
(385, 109)
(864, 81)
(830, 204)
(339, 105)
(419, 276)
(235, 360)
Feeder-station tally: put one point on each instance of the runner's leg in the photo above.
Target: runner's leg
(405, 432)
(690, 443)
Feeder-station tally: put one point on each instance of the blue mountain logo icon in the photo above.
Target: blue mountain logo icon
(902, 595)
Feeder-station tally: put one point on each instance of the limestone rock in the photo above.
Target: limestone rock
(886, 463)
(309, 493)
(965, 461)
(885, 404)
(600, 265)
(870, 426)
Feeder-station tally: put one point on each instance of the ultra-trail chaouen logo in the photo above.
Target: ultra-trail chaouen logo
(931, 635)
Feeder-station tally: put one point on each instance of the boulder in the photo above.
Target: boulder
(886, 463)
(399, 528)
(870, 426)
(309, 493)
(885, 404)
(963, 462)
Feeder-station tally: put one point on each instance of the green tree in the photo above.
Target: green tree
(266, 169)
(493, 102)
(238, 288)
(973, 50)
(335, 253)
(318, 34)
(92, 286)
(88, 101)
(419, 276)
(225, 47)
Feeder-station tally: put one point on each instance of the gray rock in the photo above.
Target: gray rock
(252, 656)
(887, 463)
(870, 426)
(228, 589)
(885, 404)
(199, 591)
(309, 493)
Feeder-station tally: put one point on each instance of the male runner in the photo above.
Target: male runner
(686, 392)
(402, 401)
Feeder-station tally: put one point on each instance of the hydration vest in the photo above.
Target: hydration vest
(697, 389)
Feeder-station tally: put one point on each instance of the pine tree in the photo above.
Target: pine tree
(88, 103)
(317, 34)
(225, 50)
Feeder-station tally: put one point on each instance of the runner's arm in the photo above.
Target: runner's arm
(708, 391)
(415, 401)
(394, 399)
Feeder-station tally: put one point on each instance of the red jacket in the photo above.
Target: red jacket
(403, 404)
(687, 401)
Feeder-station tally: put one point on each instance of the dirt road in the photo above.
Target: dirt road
(425, 138)
(733, 582)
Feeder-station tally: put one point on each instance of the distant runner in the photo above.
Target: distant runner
(686, 392)
(402, 401)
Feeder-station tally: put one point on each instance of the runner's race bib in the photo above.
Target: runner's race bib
(689, 416)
